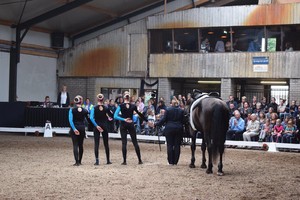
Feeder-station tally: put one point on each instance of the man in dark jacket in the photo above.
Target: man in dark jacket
(174, 120)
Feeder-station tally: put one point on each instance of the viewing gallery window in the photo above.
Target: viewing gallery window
(161, 41)
(186, 40)
(251, 39)
(226, 39)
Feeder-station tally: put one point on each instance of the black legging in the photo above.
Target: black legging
(125, 129)
(78, 143)
(173, 146)
(105, 141)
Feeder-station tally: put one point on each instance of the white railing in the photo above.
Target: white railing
(272, 147)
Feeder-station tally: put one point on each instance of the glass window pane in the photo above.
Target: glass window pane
(186, 40)
(215, 40)
(248, 39)
(161, 41)
(274, 38)
(291, 37)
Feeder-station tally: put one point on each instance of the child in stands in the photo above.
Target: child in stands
(277, 131)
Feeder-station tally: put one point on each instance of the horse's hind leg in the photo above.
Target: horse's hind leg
(193, 149)
(203, 149)
(220, 165)
(210, 165)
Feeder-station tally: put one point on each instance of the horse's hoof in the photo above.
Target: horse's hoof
(220, 173)
(209, 171)
(203, 166)
(192, 166)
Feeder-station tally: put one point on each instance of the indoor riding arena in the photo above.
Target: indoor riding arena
(142, 73)
(42, 168)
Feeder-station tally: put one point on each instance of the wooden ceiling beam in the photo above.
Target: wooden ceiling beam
(34, 28)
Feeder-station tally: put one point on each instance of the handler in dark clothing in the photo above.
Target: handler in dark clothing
(99, 117)
(77, 132)
(174, 119)
(127, 125)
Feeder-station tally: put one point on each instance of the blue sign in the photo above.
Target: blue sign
(260, 60)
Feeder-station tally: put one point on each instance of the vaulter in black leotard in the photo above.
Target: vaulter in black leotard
(77, 116)
(127, 126)
(99, 117)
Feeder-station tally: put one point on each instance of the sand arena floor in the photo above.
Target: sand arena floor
(41, 168)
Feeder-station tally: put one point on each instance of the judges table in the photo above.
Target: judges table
(37, 116)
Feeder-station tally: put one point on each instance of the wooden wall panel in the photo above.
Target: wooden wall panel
(223, 65)
(254, 15)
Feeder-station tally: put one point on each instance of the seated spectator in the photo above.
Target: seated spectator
(253, 103)
(236, 127)
(257, 108)
(273, 104)
(149, 130)
(261, 118)
(160, 129)
(241, 104)
(136, 121)
(289, 132)
(265, 132)
(205, 46)
(252, 128)
(228, 47)
(231, 109)
(293, 108)
(253, 45)
(231, 100)
(285, 121)
(270, 111)
(281, 109)
(87, 105)
(47, 103)
(274, 118)
(245, 110)
(288, 47)
(220, 47)
(161, 106)
(149, 106)
(277, 131)
(264, 106)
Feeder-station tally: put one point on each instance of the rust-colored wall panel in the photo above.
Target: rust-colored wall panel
(254, 15)
(272, 14)
(97, 62)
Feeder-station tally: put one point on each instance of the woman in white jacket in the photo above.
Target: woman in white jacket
(252, 128)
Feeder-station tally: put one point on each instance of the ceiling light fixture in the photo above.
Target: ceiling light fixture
(209, 82)
(273, 82)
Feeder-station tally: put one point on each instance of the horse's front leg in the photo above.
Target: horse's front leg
(193, 149)
(220, 165)
(203, 149)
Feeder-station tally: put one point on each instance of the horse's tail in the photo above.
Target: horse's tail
(219, 127)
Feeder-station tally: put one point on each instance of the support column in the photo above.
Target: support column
(164, 89)
(294, 90)
(227, 88)
(13, 63)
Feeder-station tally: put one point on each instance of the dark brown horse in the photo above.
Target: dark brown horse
(210, 116)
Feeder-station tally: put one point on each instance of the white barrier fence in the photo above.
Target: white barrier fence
(272, 147)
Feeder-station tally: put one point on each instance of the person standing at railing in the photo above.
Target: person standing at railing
(77, 116)
(99, 117)
(63, 98)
